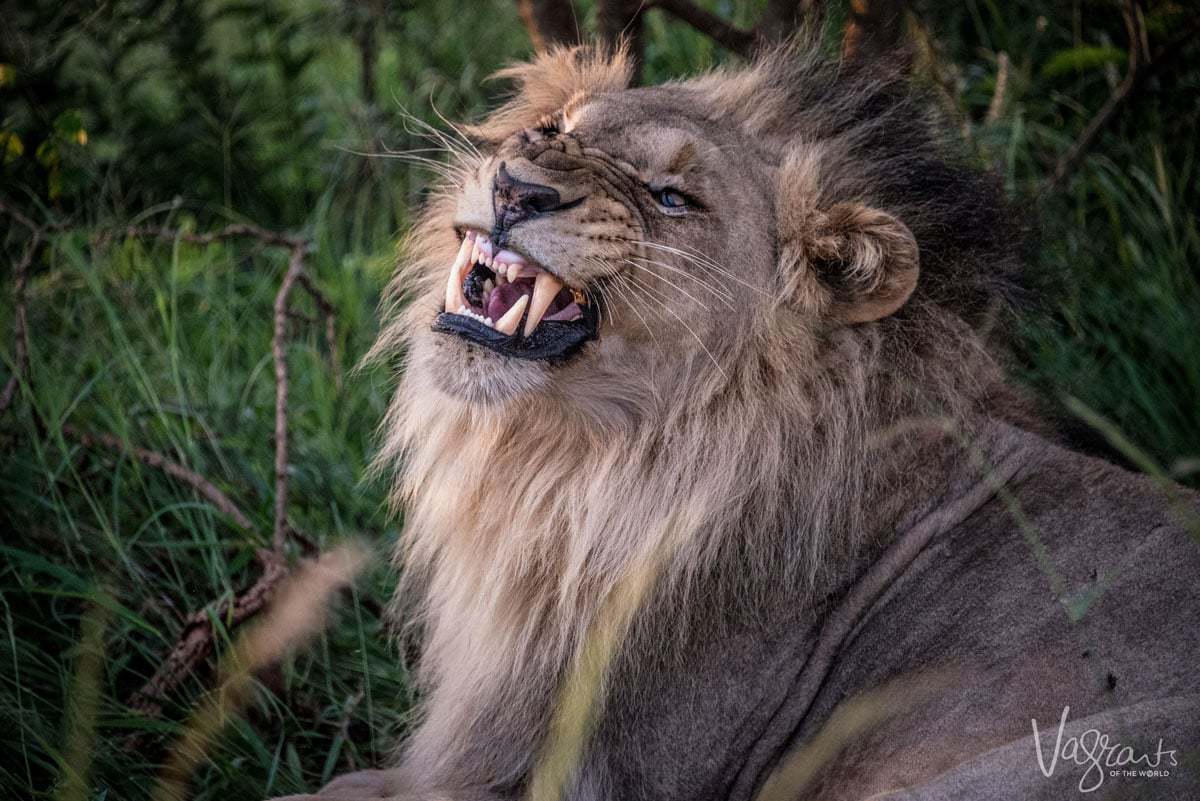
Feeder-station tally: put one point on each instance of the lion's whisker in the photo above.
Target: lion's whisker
(664, 307)
(719, 291)
(669, 283)
(702, 261)
(462, 137)
(622, 288)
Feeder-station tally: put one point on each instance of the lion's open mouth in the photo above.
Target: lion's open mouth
(501, 301)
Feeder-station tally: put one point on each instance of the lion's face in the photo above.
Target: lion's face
(624, 240)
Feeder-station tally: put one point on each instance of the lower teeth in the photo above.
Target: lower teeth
(465, 312)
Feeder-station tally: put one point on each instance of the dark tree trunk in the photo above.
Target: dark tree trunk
(621, 21)
(549, 22)
(875, 27)
(781, 18)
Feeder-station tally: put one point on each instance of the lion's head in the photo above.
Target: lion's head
(607, 246)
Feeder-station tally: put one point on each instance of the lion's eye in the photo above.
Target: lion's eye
(548, 127)
(670, 198)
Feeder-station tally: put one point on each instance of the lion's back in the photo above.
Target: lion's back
(1071, 595)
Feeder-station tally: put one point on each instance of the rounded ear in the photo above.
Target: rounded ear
(866, 258)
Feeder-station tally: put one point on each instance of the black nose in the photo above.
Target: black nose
(514, 200)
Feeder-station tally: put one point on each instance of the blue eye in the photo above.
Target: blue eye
(670, 198)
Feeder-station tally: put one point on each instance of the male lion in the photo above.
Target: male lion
(713, 485)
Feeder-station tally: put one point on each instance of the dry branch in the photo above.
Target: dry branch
(728, 36)
(196, 641)
(20, 322)
(329, 312)
(234, 231)
(279, 354)
(1136, 75)
(169, 466)
(999, 95)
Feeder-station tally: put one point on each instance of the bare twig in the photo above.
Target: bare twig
(728, 36)
(169, 466)
(20, 321)
(196, 641)
(234, 231)
(19, 216)
(299, 611)
(329, 312)
(1145, 69)
(279, 354)
(996, 107)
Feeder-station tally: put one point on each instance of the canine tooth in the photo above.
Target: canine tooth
(508, 323)
(545, 287)
(513, 271)
(454, 295)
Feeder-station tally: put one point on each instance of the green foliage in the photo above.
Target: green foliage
(190, 114)
(1080, 59)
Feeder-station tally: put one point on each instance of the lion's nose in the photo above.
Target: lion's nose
(514, 200)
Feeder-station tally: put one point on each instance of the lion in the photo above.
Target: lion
(715, 487)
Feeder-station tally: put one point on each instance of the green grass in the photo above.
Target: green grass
(134, 339)
(168, 347)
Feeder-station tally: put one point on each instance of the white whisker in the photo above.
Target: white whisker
(683, 322)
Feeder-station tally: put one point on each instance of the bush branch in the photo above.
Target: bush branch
(295, 269)
(169, 466)
(730, 37)
(1139, 72)
(20, 321)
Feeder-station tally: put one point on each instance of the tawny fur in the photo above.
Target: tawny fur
(762, 453)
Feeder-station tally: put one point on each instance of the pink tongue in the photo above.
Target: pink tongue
(504, 296)
(567, 314)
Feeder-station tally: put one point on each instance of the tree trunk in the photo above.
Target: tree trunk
(782, 18)
(621, 21)
(549, 22)
(875, 27)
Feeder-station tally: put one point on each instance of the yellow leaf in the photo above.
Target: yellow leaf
(81, 136)
(13, 147)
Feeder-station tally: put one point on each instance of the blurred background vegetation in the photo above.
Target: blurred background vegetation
(187, 116)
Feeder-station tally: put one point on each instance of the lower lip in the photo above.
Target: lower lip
(552, 341)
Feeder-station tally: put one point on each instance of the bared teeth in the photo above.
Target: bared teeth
(458, 272)
(514, 270)
(508, 323)
(545, 288)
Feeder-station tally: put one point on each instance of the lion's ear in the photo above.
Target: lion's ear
(843, 260)
(866, 258)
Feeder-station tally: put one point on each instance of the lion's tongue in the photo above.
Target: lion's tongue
(562, 309)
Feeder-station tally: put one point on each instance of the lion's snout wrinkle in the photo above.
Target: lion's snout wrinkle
(514, 200)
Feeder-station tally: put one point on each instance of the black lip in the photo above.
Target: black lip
(550, 341)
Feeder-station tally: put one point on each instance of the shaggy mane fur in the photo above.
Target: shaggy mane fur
(523, 517)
